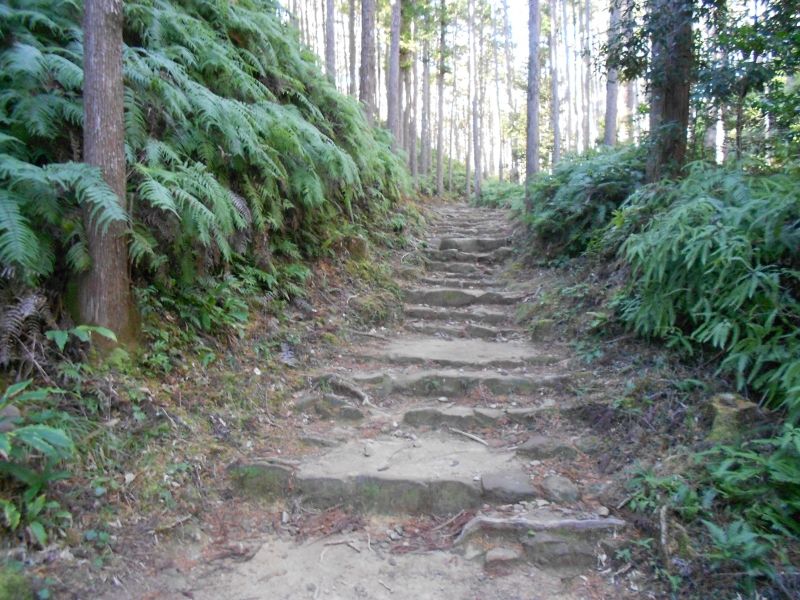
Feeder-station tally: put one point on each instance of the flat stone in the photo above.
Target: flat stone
(458, 416)
(507, 486)
(541, 447)
(458, 268)
(458, 353)
(502, 555)
(560, 489)
(434, 475)
(449, 382)
(476, 314)
(589, 444)
(472, 244)
(454, 297)
(559, 551)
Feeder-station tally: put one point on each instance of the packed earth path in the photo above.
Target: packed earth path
(445, 462)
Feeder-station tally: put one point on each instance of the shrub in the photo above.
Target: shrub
(580, 196)
(719, 267)
(501, 194)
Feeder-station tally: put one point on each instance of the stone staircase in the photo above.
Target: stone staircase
(455, 413)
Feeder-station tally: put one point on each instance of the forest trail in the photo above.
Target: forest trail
(453, 437)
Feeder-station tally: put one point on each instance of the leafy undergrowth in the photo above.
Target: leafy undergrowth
(710, 266)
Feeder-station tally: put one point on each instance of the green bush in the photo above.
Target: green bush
(580, 197)
(719, 268)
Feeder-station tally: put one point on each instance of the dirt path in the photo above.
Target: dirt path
(447, 465)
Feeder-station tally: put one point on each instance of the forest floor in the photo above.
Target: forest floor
(473, 449)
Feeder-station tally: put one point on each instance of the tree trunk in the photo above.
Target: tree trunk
(501, 140)
(555, 110)
(393, 77)
(670, 82)
(412, 117)
(426, 104)
(587, 75)
(510, 88)
(630, 109)
(366, 88)
(330, 41)
(474, 73)
(532, 134)
(570, 137)
(351, 19)
(440, 100)
(104, 295)
(612, 87)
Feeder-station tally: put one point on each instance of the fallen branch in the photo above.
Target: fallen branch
(446, 523)
(474, 438)
(664, 537)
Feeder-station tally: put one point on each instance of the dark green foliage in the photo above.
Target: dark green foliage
(580, 197)
(718, 267)
(233, 137)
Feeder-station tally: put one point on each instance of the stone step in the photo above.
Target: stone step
(468, 314)
(566, 542)
(466, 330)
(453, 297)
(458, 270)
(437, 473)
(468, 417)
(473, 244)
(493, 257)
(452, 282)
(452, 382)
(470, 353)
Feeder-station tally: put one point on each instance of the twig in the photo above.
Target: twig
(350, 543)
(474, 438)
(386, 586)
(446, 523)
(625, 501)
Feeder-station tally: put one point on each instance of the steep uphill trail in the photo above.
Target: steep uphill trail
(445, 461)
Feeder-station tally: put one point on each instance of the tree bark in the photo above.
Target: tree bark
(587, 75)
(532, 134)
(104, 295)
(555, 109)
(514, 173)
(366, 89)
(670, 82)
(474, 73)
(393, 77)
(501, 139)
(612, 87)
(568, 92)
(351, 19)
(440, 100)
(426, 103)
(330, 41)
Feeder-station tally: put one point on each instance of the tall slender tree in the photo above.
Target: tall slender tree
(393, 77)
(514, 174)
(440, 100)
(532, 133)
(367, 86)
(586, 25)
(555, 109)
(425, 134)
(476, 104)
(330, 41)
(612, 85)
(567, 77)
(351, 20)
(104, 295)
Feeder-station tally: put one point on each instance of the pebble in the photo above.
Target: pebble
(603, 511)
(501, 555)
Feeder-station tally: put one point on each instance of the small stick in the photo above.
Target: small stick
(662, 517)
(474, 438)
(386, 586)
(446, 523)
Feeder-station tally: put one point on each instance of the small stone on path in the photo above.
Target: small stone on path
(560, 489)
(501, 555)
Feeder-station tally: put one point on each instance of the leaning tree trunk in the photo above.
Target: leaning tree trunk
(104, 295)
(393, 77)
(670, 82)
(440, 100)
(330, 42)
(555, 110)
(532, 134)
(612, 87)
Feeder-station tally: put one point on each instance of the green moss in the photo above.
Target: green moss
(14, 585)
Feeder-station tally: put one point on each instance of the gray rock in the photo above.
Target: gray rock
(560, 489)
(542, 447)
(501, 555)
(510, 486)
